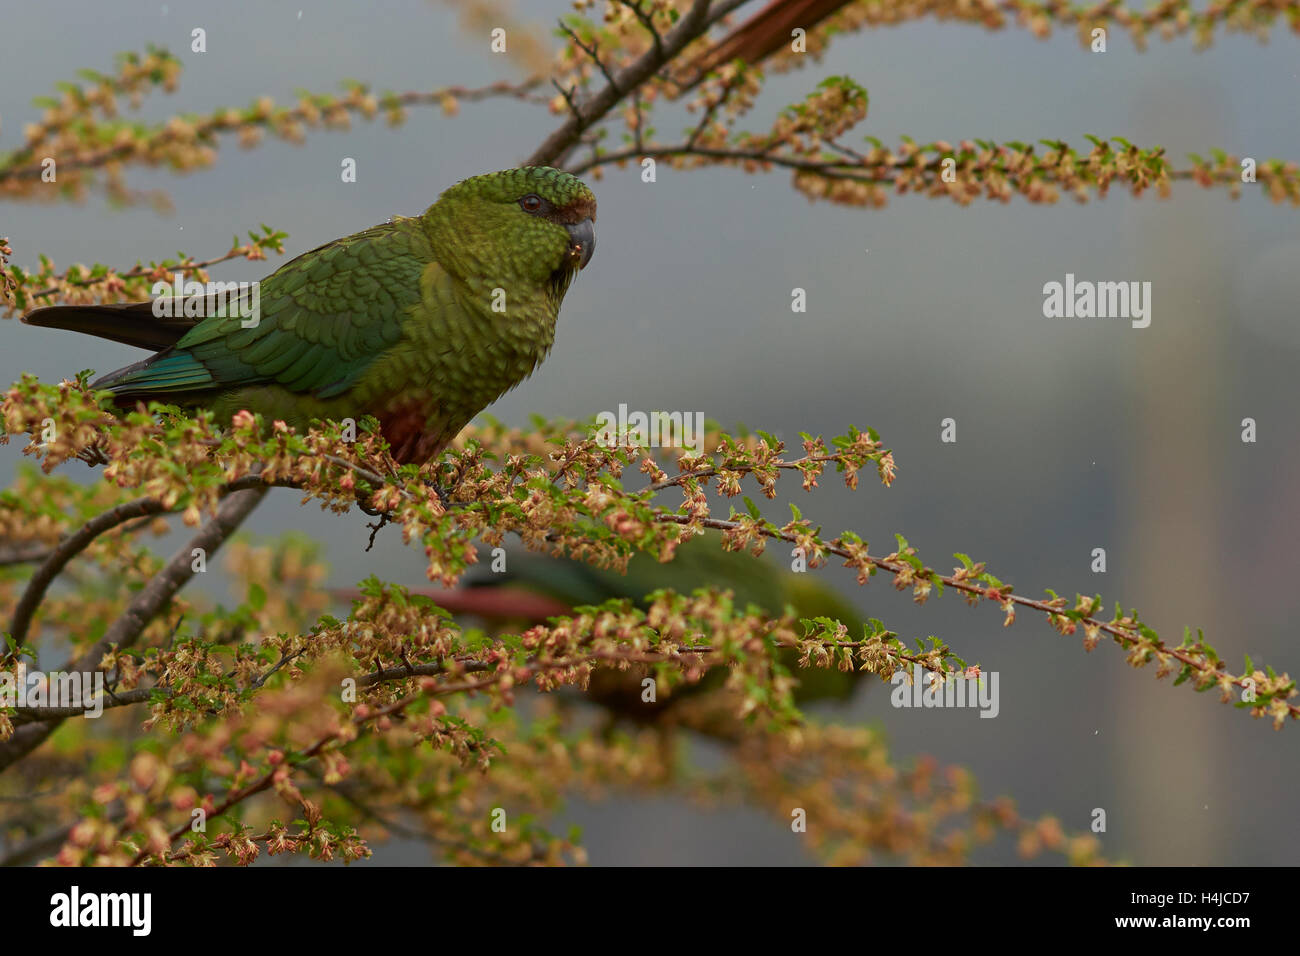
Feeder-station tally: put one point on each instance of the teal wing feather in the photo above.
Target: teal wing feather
(324, 317)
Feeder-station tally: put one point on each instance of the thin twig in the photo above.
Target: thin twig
(592, 52)
(646, 21)
(568, 97)
(236, 252)
(222, 122)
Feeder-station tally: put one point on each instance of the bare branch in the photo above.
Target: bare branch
(68, 549)
(146, 605)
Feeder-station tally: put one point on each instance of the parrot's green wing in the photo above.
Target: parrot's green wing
(323, 318)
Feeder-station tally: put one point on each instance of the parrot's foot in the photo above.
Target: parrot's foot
(93, 455)
(440, 491)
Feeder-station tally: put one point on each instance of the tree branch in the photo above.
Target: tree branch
(1128, 638)
(68, 549)
(21, 165)
(695, 22)
(146, 605)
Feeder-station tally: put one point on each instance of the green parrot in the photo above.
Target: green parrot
(420, 322)
(536, 587)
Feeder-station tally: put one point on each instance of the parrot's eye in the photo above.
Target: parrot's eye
(531, 203)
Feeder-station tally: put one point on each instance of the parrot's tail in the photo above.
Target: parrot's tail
(131, 323)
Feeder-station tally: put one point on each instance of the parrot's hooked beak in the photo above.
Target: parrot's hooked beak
(582, 241)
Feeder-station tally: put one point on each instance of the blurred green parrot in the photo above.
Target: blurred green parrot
(420, 322)
(536, 587)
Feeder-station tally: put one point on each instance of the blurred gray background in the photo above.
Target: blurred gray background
(1073, 434)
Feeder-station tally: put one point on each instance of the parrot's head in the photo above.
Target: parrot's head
(535, 224)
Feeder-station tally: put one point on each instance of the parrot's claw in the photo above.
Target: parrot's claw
(93, 455)
(442, 493)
